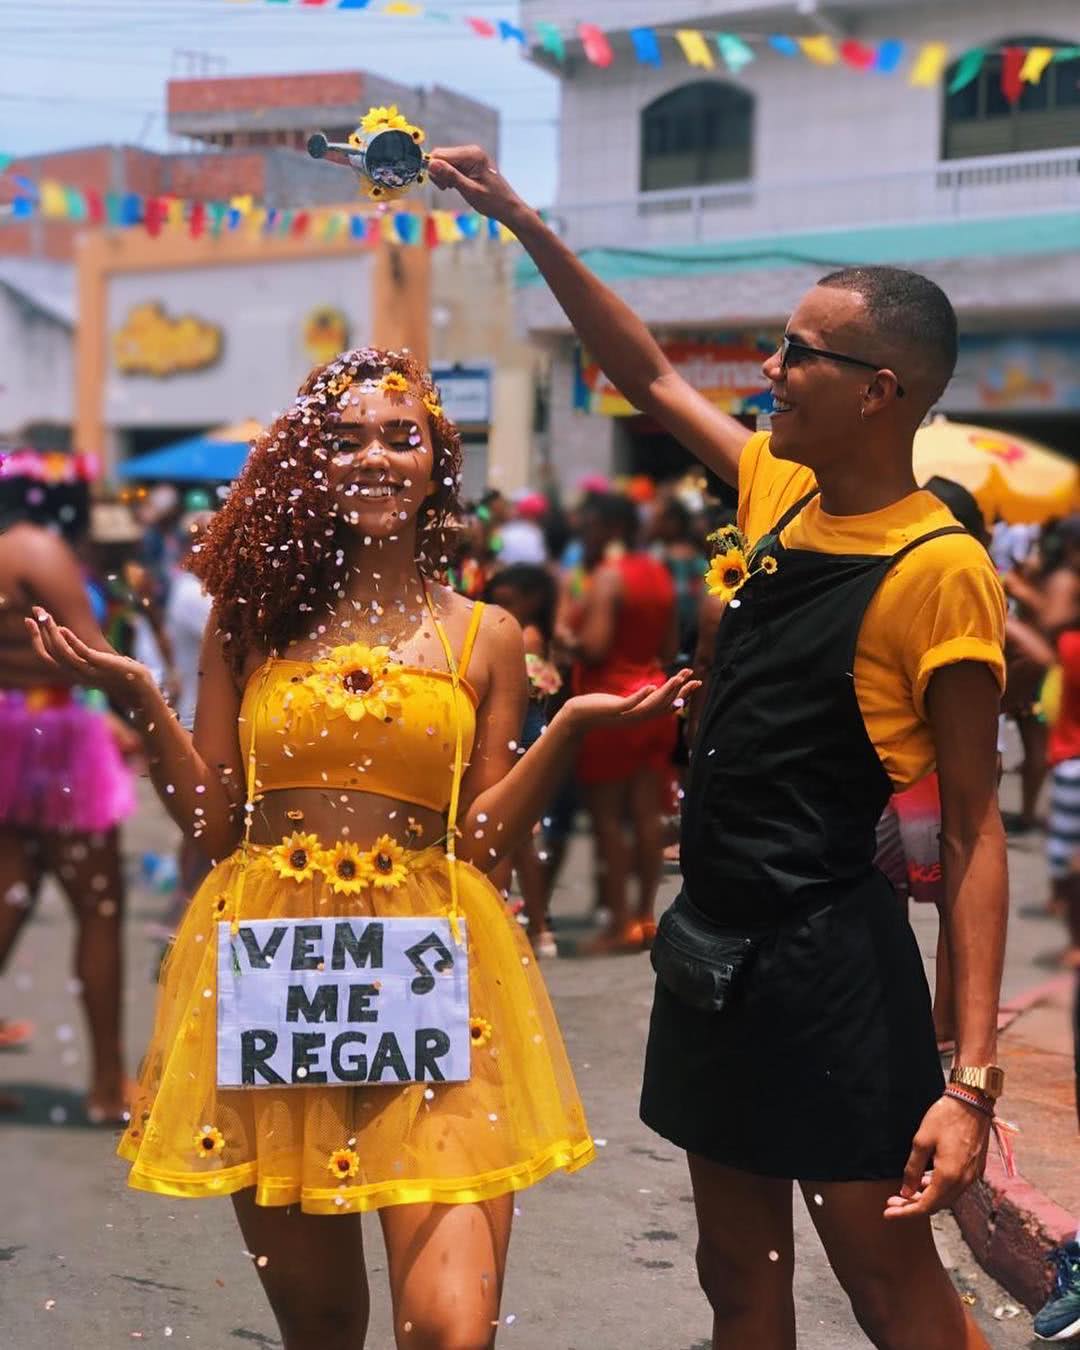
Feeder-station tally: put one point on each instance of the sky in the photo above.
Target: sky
(85, 72)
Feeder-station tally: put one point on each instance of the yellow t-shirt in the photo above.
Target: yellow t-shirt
(943, 603)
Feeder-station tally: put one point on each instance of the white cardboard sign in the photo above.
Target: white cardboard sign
(342, 1001)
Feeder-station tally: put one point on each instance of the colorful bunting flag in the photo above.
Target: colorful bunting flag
(1012, 62)
(890, 53)
(154, 216)
(735, 53)
(53, 200)
(446, 227)
(820, 49)
(481, 27)
(857, 54)
(353, 4)
(786, 46)
(510, 32)
(217, 212)
(695, 48)
(597, 47)
(967, 69)
(403, 9)
(929, 64)
(646, 46)
(1036, 61)
(551, 40)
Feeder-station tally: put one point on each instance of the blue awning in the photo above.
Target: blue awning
(214, 457)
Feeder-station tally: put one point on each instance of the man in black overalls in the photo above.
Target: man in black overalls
(821, 1065)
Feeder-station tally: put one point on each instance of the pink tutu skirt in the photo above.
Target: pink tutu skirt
(60, 768)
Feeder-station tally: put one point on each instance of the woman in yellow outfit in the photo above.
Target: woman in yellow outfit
(353, 758)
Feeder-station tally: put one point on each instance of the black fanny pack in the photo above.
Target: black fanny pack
(697, 960)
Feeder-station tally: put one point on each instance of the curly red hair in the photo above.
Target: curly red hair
(273, 551)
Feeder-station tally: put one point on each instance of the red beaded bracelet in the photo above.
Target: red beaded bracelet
(962, 1095)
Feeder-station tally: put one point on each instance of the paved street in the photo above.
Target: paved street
(601, 1261)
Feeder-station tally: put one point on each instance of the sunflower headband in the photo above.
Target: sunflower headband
(345, 372)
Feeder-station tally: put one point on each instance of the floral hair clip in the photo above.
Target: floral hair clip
(432, 404)
(394, 383)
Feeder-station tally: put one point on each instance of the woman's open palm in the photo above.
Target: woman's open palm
(599, 709)
(106, 669)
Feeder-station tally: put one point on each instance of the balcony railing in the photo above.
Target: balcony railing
(955, 189)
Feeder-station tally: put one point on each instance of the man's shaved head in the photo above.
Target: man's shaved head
(909, 322)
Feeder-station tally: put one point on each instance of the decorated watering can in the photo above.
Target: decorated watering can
(384, 151)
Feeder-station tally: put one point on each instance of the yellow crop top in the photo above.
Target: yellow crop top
(359, 720)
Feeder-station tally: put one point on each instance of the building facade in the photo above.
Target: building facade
(711, 201)
(155, 339)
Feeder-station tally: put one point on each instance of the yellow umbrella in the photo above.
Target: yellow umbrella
(1011, 477)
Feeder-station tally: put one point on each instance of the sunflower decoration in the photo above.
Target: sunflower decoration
(381, 118)
(733, 563)
(296, 857)
(480, 1031)
(359, 681)
(394, 383)
(433, 406)
(388, 863)
(347, 868)
(209, 1141)
(343, 1163)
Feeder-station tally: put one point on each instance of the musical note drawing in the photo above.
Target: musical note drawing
(424, 982)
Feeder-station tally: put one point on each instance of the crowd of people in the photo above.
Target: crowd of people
(368, 704)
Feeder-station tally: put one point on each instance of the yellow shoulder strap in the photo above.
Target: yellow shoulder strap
(470, 638)
(459, 757)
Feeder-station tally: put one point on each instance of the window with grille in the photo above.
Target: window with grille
(701, 133)
(979, 119)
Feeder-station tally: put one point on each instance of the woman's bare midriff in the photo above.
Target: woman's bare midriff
(334, 814)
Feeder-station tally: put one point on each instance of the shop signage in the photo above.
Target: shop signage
(465, 393)
(725, 367)
(1025, 372)
(326, 332)
(152, 343)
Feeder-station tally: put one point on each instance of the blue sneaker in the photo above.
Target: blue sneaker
(1059, 1317)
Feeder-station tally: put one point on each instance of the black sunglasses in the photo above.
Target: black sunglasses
(794, 353)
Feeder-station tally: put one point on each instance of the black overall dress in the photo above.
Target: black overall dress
(824, 1061)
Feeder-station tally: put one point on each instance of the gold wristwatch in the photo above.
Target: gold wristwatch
(987, 1079)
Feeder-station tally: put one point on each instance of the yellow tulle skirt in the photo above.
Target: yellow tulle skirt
(334, 1149)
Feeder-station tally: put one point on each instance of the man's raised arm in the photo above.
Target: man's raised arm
(611, 332)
